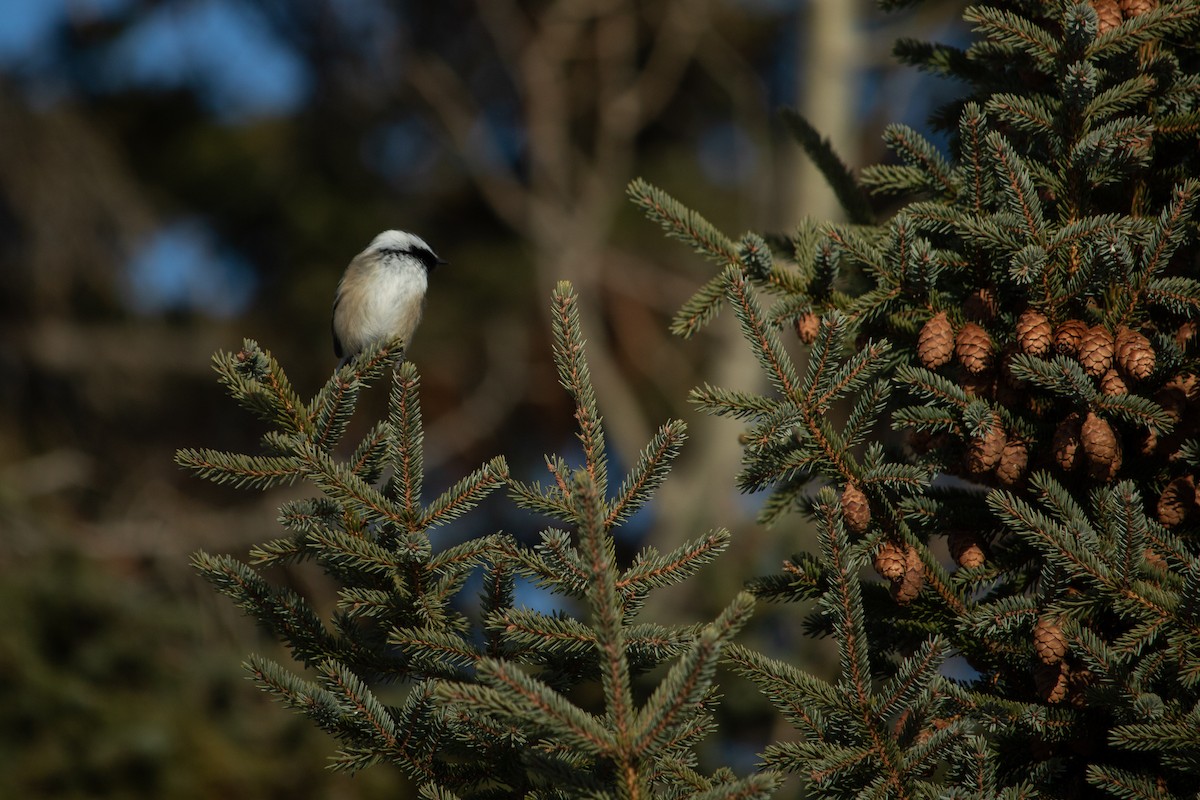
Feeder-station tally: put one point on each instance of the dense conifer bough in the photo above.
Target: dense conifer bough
(474, 699)
(1005, 371)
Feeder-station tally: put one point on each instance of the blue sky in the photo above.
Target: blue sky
(220, 46)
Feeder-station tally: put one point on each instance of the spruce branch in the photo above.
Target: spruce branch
(683, 224)
(575, 377)
(240, 471)
(1035, 115)
(1016, 182)
(923, 156)
(770, 353)
(407, 457)
(652, 570)
(851, 196)
(688, 681)
(257, 382)
(464, 495)
(604, 603)
(1010, 30)
(648, 473)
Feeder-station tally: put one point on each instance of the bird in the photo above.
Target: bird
(382, 294)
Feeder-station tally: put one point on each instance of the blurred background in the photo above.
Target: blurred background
(176, 175)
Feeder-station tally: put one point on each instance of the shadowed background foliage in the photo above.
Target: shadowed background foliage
(175, 175)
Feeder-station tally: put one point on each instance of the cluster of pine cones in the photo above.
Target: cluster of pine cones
(1083, 439)
(1113, 12)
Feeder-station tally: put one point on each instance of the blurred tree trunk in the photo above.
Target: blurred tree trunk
(830, 60)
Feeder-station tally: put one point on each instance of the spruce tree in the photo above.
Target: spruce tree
(1016, 453)
(992, 424)
(486, 710)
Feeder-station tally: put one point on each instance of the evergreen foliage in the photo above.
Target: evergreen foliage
(485, 710)
(995, 411)
(1025, 322)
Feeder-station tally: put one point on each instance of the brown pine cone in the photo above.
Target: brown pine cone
(906, 589)
(855, 508)
(1066, 445)
(1154, 559)
(983, 452)
(1111, 383)
(1034, 334)
(1006, 361)
(1134, 354)
(923, 442)
(1048, 640)
(890, 561)
(973, 348)
(935, 342)
(1173, 399)
(1147, 441)
(1096, 351)
(1013, 463)
(1109, 14)
(1187, 383)
(1101, 446)
(1185, 334)
(966, 549)
(981, 385)
(1069, 336)
(1132, 8)
(1177, 501)
(1051, 681)
(980, 305)
(1078, 680)
(807, 325)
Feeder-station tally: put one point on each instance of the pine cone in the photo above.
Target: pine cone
(981, 385)
(1066, 442)
(1109, 13)
(1185, 334)
(966, 549)
(1147, 442)
(1051, 681)
(855, 508)
(807, 325)
(973, 348)
(1096, 351)
(983, 452)
(906, 589)
(1134, 354)
(1132, 8)
(980, 305)
(1069, 336)
(1006, 359)
(1048, 640)
(1013, 462)
(1034, 335)
(1154, 559)
(1078, 680)
(1173, 399)
(935, 342)
(1187, 383)
(924, 442)
(890, 561)
(1177, 501)
(1111, 383)
(1101, 446)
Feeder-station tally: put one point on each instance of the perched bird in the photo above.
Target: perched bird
(382, 294)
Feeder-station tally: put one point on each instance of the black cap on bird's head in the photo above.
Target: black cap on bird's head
(404, 243)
